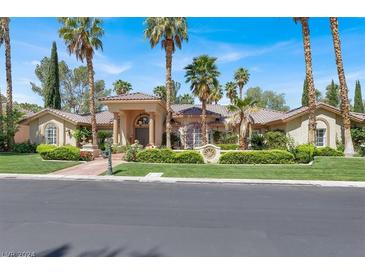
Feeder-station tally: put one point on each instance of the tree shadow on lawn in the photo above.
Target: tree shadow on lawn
(65, 249)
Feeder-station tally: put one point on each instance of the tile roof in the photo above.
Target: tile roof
(190, 109)
(263, 116)
(130, 97)
(102, 118)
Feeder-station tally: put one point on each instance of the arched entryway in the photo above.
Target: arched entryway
(141, 129)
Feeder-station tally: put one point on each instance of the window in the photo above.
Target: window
(142, 121)
(51, 134)
(321, 137)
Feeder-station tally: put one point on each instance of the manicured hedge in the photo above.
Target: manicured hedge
(24, 148)
(62, 153)
(155, 155)
(228, 146)
(188, 157)
(257, 157)
(45, 148)
(327, 151)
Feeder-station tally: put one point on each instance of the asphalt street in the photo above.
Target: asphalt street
(81, 218)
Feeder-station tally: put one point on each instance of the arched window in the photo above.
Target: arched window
(51, 134)
(142, 121)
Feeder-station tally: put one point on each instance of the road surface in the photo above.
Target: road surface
(80, 218)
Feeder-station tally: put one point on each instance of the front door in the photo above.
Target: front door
(142, 136)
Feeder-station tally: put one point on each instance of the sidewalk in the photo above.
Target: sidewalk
(155, 178)
(92, 168)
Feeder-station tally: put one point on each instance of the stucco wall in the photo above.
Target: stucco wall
(298, 128)
(22, 135)
(64, 130)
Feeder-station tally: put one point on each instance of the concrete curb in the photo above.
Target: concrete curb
(157, 179)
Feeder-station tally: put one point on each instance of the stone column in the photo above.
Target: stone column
(115, 128)
(123, 128)
(151, 127)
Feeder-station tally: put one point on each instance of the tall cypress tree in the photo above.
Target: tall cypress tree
(305, 100)
(52, 84)
(332, 94)
(358, 103)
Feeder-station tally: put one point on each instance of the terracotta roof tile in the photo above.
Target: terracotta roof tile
(130, 97)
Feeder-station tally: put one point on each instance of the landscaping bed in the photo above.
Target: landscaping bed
(323, 168)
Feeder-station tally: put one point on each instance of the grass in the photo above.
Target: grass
(323, 168)
(29, 164)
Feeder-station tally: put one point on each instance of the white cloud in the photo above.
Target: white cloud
(113, 69)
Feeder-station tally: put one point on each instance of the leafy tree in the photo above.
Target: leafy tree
(100, 91)
(305, 99)
(358, 103)
(241, 109)
(160, 91)
(82, 36)
(332, 94)
(241, 76)
(28, 107)
(52, 84)
(122, 87)
(268, 99)
(231, 90)
(203, 77)
(309, 77)
(184, 99)
(41, 71)
(5, 39)
(171, 32)
(345, 105)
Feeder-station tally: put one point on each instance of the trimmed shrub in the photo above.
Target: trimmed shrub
(304, 153)
(257, 157)
(327, 151)
(228, 146)
(155, 155)
(24, 148)
(362, 151)
(62, 153)
(275, 140)
(188, 157)
(131, 152)
(225, 137)
(45, 148)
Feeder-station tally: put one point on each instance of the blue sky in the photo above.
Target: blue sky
(271, 48)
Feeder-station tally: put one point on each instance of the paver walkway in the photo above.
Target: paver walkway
(95, 167)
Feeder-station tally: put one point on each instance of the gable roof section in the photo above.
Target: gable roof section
(102, 118)
(189, 109)
(136, 96)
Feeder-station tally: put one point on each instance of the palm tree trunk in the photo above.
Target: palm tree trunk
(204, 122)
(9, 86)
(90, 71)
(345, 107)
(168, 91)
(241, 92)
(310, 82)
(1, 123)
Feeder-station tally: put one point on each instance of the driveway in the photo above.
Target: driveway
(80, 218)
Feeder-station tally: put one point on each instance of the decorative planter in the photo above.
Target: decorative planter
(210, 153)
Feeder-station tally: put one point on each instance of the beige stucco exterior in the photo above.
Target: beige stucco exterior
(126, 119)
(65, 130)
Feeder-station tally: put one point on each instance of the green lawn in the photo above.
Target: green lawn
(323, 168)
(29, 164)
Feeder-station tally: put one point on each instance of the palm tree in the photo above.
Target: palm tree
(171, 32)
(216, 95)
(345, 107)
(5, 38)
(231, 90)
(203, 77)
(309, 78)
(122, 87)
(241, 76)
(82, 36)
(241, 109)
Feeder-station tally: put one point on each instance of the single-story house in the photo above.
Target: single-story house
(140, 116)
